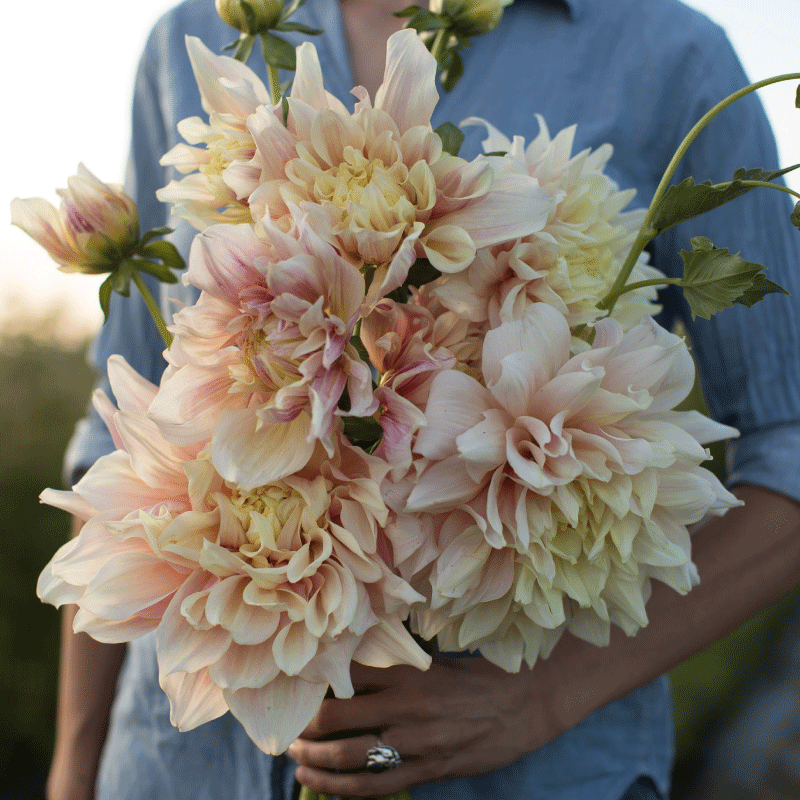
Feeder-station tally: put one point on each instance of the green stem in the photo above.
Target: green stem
(632, 287)
(308, 794)
(646, 233)
(153, 308)
(274, 84)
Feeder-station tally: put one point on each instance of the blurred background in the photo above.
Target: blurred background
(67, 93)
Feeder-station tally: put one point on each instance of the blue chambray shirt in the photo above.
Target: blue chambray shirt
(636, 73)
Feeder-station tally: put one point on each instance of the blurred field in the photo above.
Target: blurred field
(45, 391)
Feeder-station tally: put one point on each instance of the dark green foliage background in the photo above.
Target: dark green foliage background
(45, 390)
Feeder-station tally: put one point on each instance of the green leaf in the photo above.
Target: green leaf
(164, 251)
(297, 27)
(454, 71)
(422, 272)
(689, 199)
(795, 218)
(452, 138)
(409, 11)
(500, 153)
(759, 289)
(797, 97)
(714, 279)
(362, 429)
(105, 297)
(277, 52)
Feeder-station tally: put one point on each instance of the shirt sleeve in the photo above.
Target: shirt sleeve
(130, 330)
(748, 358)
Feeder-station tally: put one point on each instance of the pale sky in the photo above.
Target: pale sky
(67, 94)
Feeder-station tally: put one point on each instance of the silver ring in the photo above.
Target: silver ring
(382, 757)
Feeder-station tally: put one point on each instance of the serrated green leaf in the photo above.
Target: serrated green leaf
(297, 27)
(278, 52)
(452, 138)
(105, 297)
(453, 73)
(164, 251)
(689, 199)
(758, 290)
(714, 279)
(795, 218)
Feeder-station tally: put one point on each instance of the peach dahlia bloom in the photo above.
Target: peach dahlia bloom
(376, 181)
(573, 259)
(259, 363)
(566, 483)
(260, 598)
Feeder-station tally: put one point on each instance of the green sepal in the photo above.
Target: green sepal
(452, 71)
(689, 199)
(714, 279)
(422, 272)
(795, 218)
(297, 27)
(362, 430)
(424, 20)
(105, 297)
(249, 14)
(150, 235)
(408, 11)
(452, 137)
(797, 97)
(163, 251)
(500, 153)
(244, 46)
(278, 52)
(291, 8)
(160, 271)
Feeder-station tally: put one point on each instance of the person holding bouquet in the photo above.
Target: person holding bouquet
(586, 723)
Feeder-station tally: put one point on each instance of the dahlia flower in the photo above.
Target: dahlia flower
(230, 93)
(574, 258)
(260, 597)
(260, 362)
(377, 182)
(95, 229)
(563, 484)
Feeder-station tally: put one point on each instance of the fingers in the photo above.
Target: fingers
(359, 713)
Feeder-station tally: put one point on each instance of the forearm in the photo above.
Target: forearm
(746, 560)
(87, 679)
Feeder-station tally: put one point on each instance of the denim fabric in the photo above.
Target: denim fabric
(636, 74)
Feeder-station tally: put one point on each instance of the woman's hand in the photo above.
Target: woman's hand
(460, 717)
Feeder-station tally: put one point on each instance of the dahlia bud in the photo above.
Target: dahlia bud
(471, 17)
(96, 228)
(258, 18)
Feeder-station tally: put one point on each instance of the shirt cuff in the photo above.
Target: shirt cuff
(769, 457)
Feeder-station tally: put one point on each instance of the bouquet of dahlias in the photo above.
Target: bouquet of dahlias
(417, 396)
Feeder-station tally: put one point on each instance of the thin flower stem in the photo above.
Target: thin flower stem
(153, 308)
(632, 287)
(765, 184)
(646, 232)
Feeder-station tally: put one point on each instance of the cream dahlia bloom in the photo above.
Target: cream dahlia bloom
(260, 362)
(573, 259)
(566, 485)
(230, 93)
(376, 182)
(260, 598)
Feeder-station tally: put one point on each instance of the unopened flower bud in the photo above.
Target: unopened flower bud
(471, 17)
(266, 14)
(95, 229)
